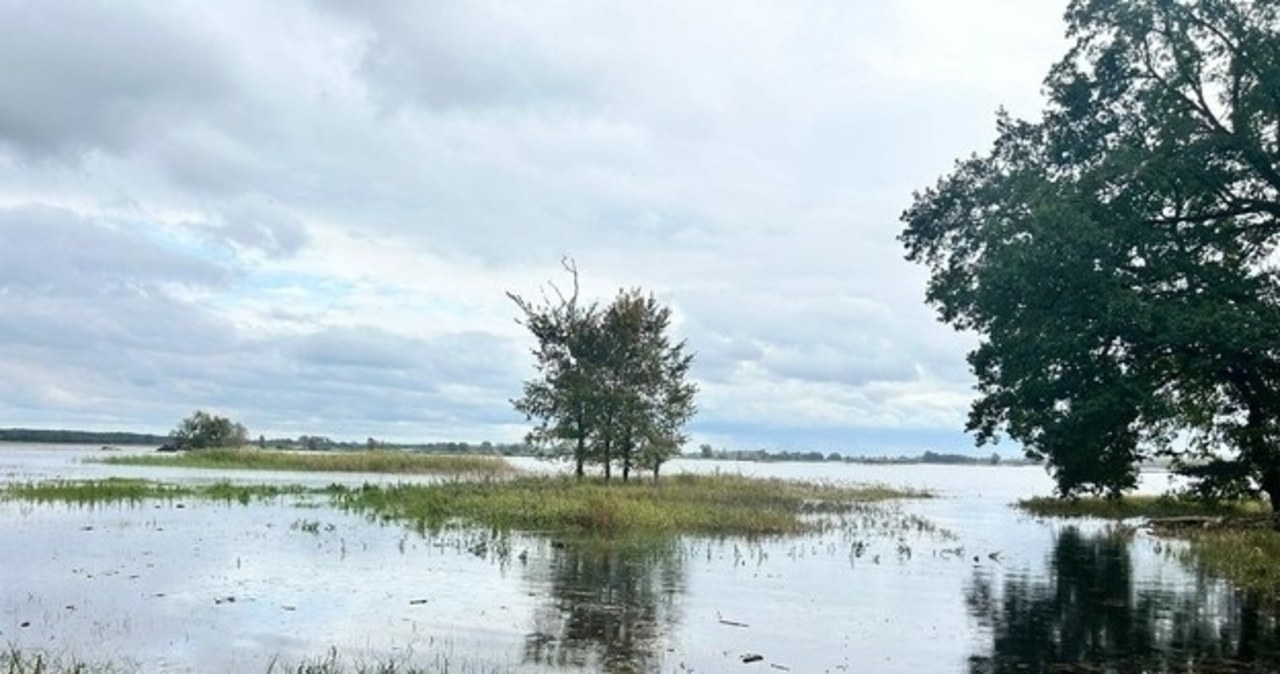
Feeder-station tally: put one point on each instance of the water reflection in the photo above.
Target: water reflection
(1093, 614)
(608, 607)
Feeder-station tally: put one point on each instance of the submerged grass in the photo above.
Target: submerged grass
(128, 490)
(689, 504)
(16, 661)
(1138, 506)
(341, 462)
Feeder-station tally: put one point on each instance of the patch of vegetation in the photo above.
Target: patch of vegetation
(1133, 506)
(682, 504)
(338, 462)
(1249, 558)
(1232, 540)
(126, 490)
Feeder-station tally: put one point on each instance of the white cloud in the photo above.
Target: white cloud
(308, 213)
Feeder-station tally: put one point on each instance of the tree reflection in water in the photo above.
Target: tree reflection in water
(609, 606)
(1089, 615)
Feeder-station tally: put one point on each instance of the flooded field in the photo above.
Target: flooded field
(208, 586)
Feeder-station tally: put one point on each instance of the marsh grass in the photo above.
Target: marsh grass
(680, 504)
(133, 491)
(1249, 558)
(1138, 506)
(1240, 548)
(394, 462)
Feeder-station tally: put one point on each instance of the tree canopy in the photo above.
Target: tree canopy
(611, 387)
(202, 430)
(1117, 257)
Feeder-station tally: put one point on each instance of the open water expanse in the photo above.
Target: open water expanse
(212, 587)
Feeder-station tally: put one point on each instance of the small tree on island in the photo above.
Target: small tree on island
(202, 430)
(611, 388)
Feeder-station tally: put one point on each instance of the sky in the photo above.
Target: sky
(306, 214)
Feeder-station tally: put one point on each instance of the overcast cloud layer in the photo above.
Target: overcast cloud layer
(305, 214)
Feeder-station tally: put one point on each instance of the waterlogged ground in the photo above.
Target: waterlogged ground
(201, 586)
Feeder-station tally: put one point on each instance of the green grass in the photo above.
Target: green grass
(1138, 506)
(681, 504)
(340, 462)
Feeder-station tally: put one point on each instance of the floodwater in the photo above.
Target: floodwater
(212, 587)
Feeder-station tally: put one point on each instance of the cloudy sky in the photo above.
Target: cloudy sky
(304, 214)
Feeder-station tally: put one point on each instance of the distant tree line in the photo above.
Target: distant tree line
(70, 437)
(320, 443)
(706, 451)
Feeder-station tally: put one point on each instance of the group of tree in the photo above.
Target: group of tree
(1118, 256)
(611, 388)
(203, 430)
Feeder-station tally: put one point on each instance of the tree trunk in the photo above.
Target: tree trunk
(1271, 487)
(580, 456)
(1258, 443)
(656, 466)
(624, 450)
(608, 460)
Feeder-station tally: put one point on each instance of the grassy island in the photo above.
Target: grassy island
(680, 504)
(406, 463)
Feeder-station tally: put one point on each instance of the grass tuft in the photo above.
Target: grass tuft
(339, 462)
(16, 661)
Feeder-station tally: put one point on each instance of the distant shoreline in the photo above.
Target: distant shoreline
(117, 438)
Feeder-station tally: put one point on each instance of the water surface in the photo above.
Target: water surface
(201, 586)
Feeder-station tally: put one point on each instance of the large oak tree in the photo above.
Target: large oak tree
(1118, 256)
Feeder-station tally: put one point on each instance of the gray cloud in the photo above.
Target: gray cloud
(52, 251)
(81, 76)
(465, 56)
